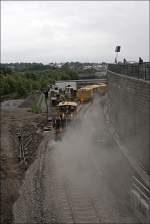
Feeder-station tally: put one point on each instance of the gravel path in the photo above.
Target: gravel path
(11, 105)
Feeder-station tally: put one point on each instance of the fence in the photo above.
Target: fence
(140, 71)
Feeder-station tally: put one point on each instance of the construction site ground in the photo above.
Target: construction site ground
(16, 117)
(74, 180)
(77, 179)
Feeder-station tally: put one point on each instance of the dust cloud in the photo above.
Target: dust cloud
(82, 170)
(75, 153)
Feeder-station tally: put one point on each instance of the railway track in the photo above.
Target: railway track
(89, 202)
(25, 141)
(70, 202)
(81, 205)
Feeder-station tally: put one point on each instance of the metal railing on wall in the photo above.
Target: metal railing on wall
(137, 70)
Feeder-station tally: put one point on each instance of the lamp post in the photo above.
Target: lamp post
(117, 50)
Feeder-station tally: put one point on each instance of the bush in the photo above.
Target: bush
(35, 109)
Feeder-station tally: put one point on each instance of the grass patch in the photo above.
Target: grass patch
(35, 109)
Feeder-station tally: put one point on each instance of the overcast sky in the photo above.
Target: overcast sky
(86, 31)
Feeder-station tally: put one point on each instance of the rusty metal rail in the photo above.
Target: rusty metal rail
(24, 144)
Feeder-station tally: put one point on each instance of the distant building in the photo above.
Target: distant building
(52, 64)
(87, 67)
(63, 83)
(56, 65)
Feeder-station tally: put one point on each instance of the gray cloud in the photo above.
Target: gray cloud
(71, 31)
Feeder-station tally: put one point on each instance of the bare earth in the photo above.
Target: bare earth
(14, 118)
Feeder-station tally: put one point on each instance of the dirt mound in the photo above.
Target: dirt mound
(30, 100)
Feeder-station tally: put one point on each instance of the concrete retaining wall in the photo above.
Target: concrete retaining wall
(128, 108)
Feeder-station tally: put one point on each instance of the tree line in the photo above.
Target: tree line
(22, 79)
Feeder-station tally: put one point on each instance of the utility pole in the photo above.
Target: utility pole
(46, 98)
